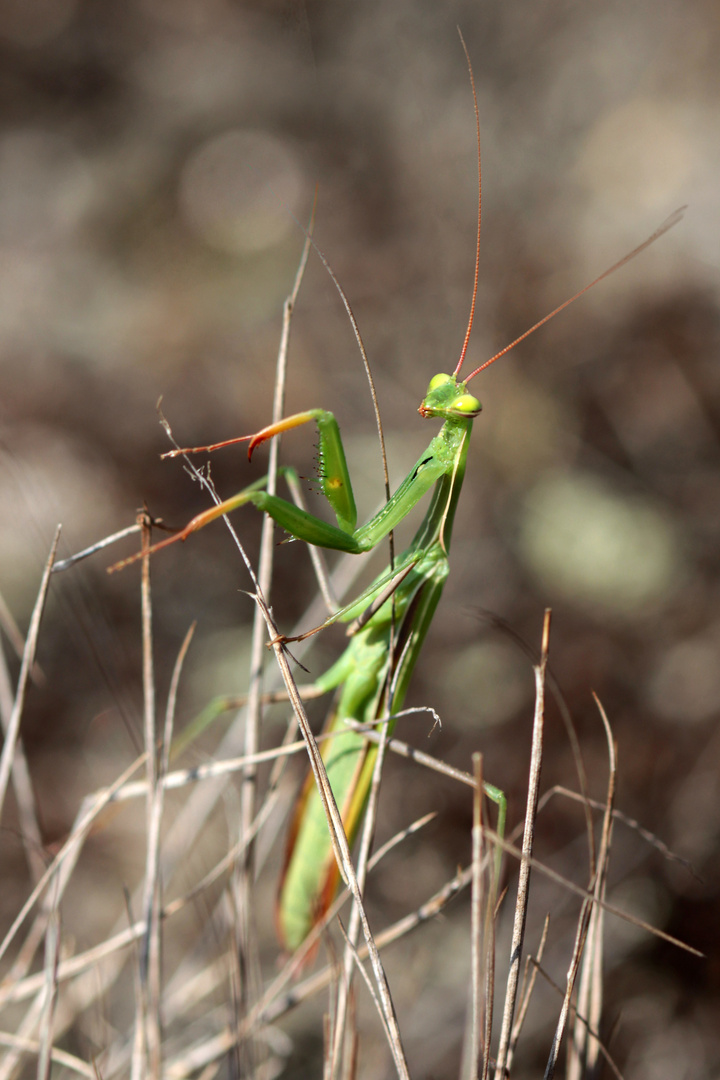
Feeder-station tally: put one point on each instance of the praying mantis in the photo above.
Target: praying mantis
(390, 619)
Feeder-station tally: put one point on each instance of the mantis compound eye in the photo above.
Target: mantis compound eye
(440, 380)
(467, 405)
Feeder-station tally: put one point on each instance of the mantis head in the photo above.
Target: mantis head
(448, 399)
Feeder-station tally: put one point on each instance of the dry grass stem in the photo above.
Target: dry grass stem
(52, 952)
(249, 977)
(28, 660)
(526, 856)
(22, 785)
(473, 1051)
(528, 985)
(584, 1048)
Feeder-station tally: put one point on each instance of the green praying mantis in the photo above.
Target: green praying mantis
(390, 619)
(371, 677)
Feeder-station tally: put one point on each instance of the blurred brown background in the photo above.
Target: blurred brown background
(152, 154)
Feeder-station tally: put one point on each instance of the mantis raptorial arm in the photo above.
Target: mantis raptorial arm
(337, 488)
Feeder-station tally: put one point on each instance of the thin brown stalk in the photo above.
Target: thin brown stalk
(147, 1018)
(529, 980)
(578, 946)
(592, 915)
(152, 899)
(26, 666)
(137, 1041)
(492, 904)
(489, 985)
(52, 953)
(353, 1049)
(247, 937)
(22, 785)
(17, 641)
(584, 1047)
(169, 726)
(527, 848)
(473, 1049)
(366, 979)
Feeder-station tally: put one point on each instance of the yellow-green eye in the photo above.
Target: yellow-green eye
(439, 380)
(467, 404)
